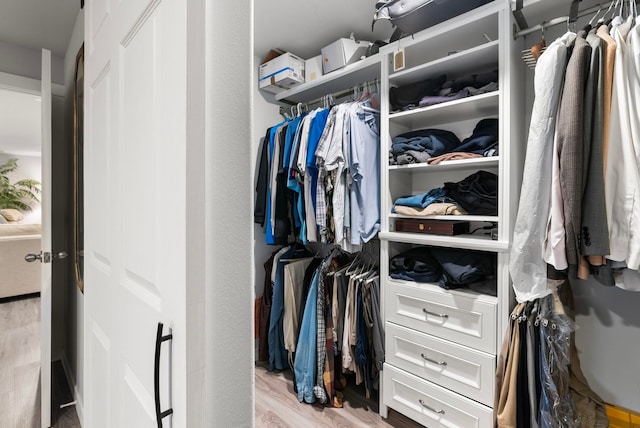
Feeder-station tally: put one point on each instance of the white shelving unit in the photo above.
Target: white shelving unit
(441, 346)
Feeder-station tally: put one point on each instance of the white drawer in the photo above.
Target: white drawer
(462, 318)
(429, 404)
(461, 369)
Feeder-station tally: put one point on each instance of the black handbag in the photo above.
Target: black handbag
(411, 16)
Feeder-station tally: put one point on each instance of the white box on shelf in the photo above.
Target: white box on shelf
(313, 68)
(342, 52)
(281, 73)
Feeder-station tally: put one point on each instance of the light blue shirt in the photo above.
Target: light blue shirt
(365, 172)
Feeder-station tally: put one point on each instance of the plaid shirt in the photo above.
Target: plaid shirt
(321, 154)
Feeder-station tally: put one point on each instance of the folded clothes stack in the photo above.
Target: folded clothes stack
(437, 145)
(440, 90)
(450, 268)
(477, 194)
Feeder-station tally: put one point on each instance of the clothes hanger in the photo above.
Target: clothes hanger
(589, 26)
(530, 56)
(611, 9)
(573, 15)
(371, 279)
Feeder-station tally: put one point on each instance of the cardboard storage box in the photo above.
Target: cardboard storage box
(342, 52)
(313, 68)
(281, 73)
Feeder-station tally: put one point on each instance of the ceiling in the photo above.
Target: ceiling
(33, 24)
(37, 24)
(303, 27)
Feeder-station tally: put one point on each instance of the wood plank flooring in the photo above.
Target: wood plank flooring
(277, 406)
(20, 363)
(20, 366)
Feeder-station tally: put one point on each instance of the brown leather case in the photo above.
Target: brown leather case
(433, 227)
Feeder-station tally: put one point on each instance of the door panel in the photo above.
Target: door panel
(99, 163)
(45, 243)
(100, 363)
(135, 207)
(138, 106)
(138, 405)
(97, 16)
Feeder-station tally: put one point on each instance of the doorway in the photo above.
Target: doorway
(20, 344)
(21, 314)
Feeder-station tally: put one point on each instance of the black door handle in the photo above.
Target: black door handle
(156, 375)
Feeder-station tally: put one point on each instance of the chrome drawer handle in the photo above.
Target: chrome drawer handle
(440, 363)
(440, 412)
(434, 314)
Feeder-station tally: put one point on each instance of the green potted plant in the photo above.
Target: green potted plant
(20, 194)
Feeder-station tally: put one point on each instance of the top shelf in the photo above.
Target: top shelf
(481, 57)
(459, 34)
(353, 74)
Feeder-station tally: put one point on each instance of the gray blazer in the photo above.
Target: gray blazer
(595, 229)
(570, 134)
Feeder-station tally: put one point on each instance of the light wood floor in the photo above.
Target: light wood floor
(20, 367)
(277, 406)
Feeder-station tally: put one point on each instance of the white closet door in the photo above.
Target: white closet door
(135, 208)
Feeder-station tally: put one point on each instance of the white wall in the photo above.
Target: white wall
(229, 299)
(608, 320)
(26, 62)
(72, 356)
(28, 167)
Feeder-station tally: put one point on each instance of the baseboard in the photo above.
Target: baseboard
(20, 297)
(72, 383)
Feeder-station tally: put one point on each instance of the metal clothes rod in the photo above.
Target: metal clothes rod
(561, 20)
(340, 94)
(344, 93)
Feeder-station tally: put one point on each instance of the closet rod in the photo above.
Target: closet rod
(340, 94)
(346, 92)
(561, 19)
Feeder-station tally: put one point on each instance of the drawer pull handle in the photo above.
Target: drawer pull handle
(426, 406)
(434, 314)
(440, 363)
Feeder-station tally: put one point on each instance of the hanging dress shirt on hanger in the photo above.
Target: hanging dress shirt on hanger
(527, 266)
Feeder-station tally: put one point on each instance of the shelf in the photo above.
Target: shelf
(483, 57)
(484, 105)
(458, 34)
(470, 242)
(451, 165)
(353, 74)
(435, 288)
(487, 218)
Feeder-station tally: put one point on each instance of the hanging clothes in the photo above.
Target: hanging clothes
(321, 176)
(528, 269)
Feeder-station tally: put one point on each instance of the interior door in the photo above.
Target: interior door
(45, 254)
(135, 208)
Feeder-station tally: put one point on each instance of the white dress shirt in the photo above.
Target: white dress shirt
(621, 175)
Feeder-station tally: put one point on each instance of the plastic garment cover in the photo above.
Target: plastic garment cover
(527, 267)
(556, 408)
